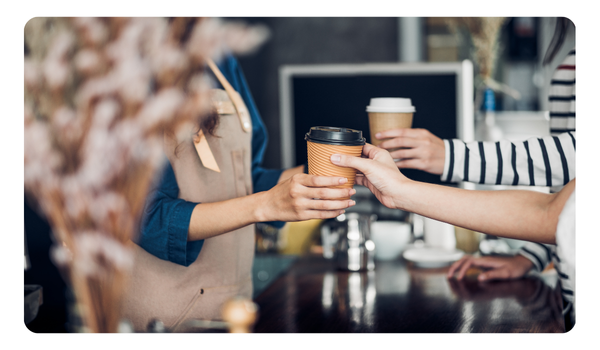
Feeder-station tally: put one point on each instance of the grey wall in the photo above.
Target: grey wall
(302, 40)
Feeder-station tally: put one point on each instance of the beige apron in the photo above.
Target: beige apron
(173, 293)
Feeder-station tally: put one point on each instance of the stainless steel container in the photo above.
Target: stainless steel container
(348, 241)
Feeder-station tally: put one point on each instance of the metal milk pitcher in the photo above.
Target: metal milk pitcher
(348, 241)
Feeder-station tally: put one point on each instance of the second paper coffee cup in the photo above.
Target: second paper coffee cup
(324, 141)
(386, 113)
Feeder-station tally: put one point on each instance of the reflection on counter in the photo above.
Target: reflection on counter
(352, 295)
(313, 296)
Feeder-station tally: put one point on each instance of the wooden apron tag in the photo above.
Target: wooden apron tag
(204, 152)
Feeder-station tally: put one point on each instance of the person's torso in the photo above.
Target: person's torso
(173, 293)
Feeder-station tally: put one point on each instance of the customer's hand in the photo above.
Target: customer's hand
(496, 267)
(303, 197)
(422, 150)
(377, 172)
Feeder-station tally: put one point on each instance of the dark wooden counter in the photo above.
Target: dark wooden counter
(313, 297)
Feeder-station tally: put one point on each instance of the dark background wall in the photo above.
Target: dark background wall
(318, 40)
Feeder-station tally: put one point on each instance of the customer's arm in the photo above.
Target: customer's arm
(524, 215)
(544, 161)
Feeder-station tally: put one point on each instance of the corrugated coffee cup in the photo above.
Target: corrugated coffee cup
(386, 113)
(324, 141)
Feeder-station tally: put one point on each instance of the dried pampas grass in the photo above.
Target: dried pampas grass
(99, 93)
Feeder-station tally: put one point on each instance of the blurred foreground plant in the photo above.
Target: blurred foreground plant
(99, 93)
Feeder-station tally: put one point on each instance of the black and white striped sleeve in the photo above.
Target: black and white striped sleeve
(539, 254)
(546, 161)
(561, 97)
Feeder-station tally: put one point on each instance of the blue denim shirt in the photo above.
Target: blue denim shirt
(166, 218)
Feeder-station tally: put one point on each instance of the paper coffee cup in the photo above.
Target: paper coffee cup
(323, 141)
(386, 113)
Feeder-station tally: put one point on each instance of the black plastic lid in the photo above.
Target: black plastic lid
(335, 136)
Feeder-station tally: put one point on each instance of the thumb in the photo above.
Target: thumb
(361, 164)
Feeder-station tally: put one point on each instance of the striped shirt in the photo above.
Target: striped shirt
(545, 161)
(561, 96)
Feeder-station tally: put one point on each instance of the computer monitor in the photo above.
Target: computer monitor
(338, 94)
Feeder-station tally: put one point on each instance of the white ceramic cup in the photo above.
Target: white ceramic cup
(438, 234)
(390, 238)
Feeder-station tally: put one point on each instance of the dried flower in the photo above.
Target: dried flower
(88, 62)
(99, 95)
(484, 32)
(160, 108)
(212, 36)
(93, 31)
(33, 76)
(97, 254)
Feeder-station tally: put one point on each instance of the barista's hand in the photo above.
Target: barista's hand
(378, 173)
(497, 268)
(303, 197)
(423, 150)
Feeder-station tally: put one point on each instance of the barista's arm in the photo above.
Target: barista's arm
(174, 229)
(291, 200)
(165, 222)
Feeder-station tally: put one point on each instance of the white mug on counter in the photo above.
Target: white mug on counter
(390, 238)
(438, 234)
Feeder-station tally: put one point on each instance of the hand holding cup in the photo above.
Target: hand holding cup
(378, 173)
(323, 141)
(414, 149)
(304, 197)
(387, 113)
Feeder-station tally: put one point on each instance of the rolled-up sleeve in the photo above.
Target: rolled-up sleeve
(166, 218)
(166, 221)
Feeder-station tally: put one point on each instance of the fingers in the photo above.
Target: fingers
(326, 205)
(460, 267)
(361, 180)
(329, 193)
(408, 153)
(318, 181)
(323, 214)
(464, 268)
(374, 158)
(370, 151)
(361, 164)
(323, 209)
(400, 142)
(403, 132)
(498, 268)
(456, 265)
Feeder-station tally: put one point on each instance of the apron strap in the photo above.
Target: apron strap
(235, 97)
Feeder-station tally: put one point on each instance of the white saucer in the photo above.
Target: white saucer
(432, 257)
